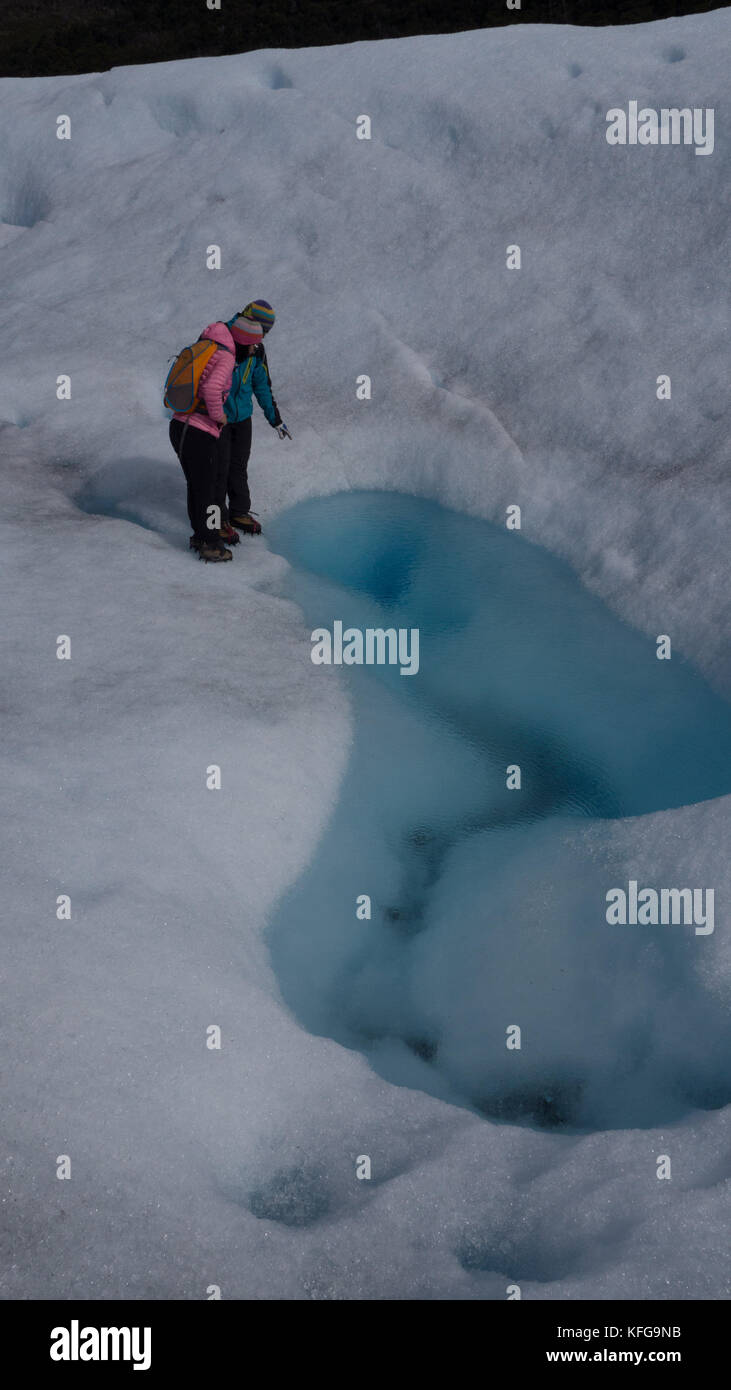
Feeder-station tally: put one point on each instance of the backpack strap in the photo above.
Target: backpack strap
(222, 346)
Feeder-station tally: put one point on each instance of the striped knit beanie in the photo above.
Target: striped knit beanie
(244, 330)
(262, 312)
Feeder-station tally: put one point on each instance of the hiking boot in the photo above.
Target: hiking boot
(212, 552)
(245, 521)
(228, 535)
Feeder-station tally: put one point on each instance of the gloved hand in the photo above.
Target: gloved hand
(282, 430)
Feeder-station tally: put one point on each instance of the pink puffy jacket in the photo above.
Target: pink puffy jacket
(215, 382)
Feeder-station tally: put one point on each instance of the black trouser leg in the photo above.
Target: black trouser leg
(224, 457)
(197, 451)
(238, 448)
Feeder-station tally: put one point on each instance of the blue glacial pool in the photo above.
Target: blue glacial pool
(481, 912)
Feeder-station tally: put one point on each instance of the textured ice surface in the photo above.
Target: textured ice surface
(190, 1166)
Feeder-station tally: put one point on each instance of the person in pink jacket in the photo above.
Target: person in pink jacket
(195, 441)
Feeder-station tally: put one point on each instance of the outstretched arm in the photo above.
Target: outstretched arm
(263, 391)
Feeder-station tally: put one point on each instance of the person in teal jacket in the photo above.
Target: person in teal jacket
(251, 378)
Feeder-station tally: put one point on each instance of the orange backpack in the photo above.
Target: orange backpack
(183, 379)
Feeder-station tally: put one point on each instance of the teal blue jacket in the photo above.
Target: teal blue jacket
(251, 378)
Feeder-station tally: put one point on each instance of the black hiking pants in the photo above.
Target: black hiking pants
(235, 445)
(201, 460)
